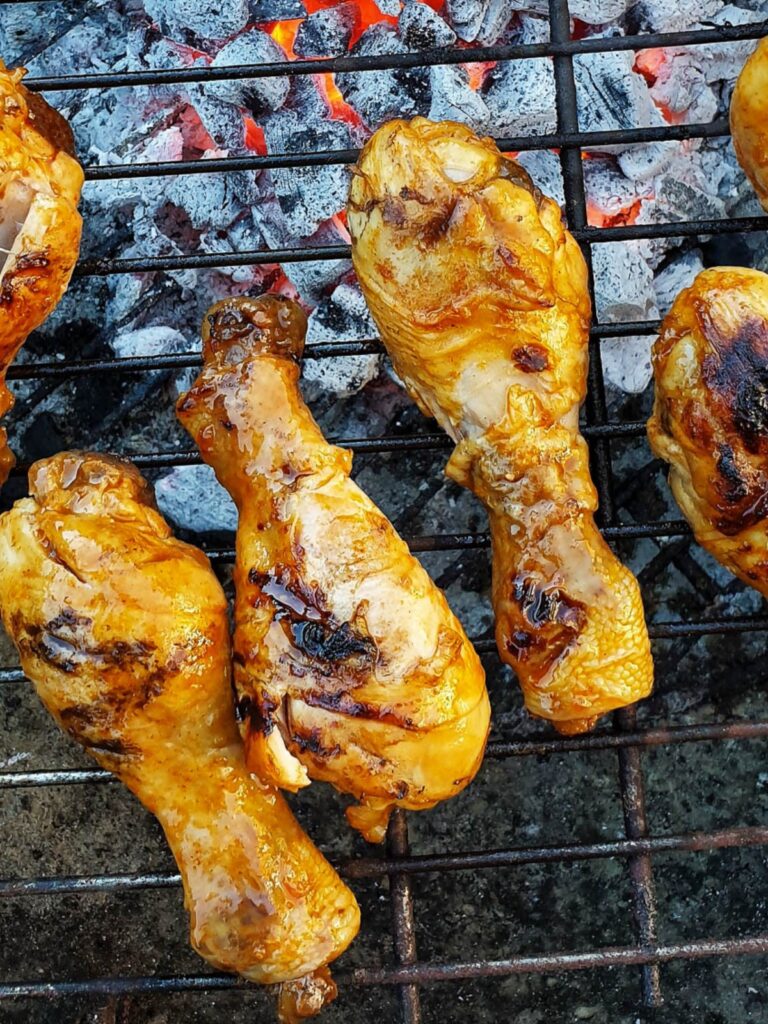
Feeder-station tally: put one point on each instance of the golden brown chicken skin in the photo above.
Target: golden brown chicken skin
(749, 120)
(349, 664)
(710, 415)
(40, 182)
(123, 631)
(480, 296)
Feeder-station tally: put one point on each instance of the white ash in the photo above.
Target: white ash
(646, 160)
(678, 274)
(326, 33)
(379, 96)
(533, 29)
(213, 201)
(453, 99)
(342, 317)
(598, 12)
(26, 29)
(480, 21)
(391, 7)
(520, 96)
(206, 19)
(154, 341)
(671, 15)
(192, 499)
(627, 362)
(623, 283)
(257, 95)
(544, 167)
(422, 28)
(724, 61)
(610, 95)
(276, 10)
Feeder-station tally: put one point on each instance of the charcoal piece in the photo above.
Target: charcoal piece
(378, 96)
(389, 6)
(276, 10)
(645, 161)
(22, 34)
(679, 273)
(496, 18)
(466, 17)
(670, 15)
(681, 87)
(343, 316)
(544, 167)
(609, 191)
(421, 28)
(193, 499)
(307, 195)
(313, 281)
(598, 12)
(223, 122)
(520, 96)
(326, 33)
(257, 95)
(204, 19)
(610, 95)
(453, 99)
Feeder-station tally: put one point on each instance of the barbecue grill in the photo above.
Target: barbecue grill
(41, 991)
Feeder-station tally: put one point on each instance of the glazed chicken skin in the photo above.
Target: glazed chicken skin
(480, 296)
(123, 631)
(349, 665)
(40, 182)
(749, 120)
(710, 415)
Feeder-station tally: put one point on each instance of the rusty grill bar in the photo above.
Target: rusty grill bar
(629, 742)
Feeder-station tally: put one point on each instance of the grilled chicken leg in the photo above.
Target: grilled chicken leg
(749, 120)
(480, 296)
(710, 416)
(123, 630)
(348, 662)
(40, 184)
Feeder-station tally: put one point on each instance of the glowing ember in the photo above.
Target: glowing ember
(254, 137)
(478, 72)
(367, 14)
(284, 33)
(600, 219)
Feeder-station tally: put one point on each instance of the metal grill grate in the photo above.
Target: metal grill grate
(638, 848)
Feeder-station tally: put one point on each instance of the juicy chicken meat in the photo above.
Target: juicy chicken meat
(710, 416)
(40, 183)
(480, 296)
(123, 631)
(749, 120)
(349, 665)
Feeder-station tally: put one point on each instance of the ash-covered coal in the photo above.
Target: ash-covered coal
(326, 33)
(276, 10)
(203, 19)
(256, 95)
(343, 316)
(520, 96)
(480, 21)
(422, 28)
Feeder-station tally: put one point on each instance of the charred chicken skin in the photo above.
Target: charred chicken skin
(123, 631)
(349, 665)
(40, 182)
(749, 120)
(710, 416)
(480, 296)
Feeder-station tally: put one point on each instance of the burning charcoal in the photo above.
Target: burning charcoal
(611, 95)
(154, 341)
(223, 122)
(326, 33)
(533, 30)
(724, 61)
(680, 86)
(193, 499)
(380, 95)
(497, 16)
(453, 99)
(544, 167)
(466, 16)
(677, 274)
(307, 195)
(314, 280)
(206, 19)
(610, 194)
(23, 34)
(342, 317)
(421, 28)
(276, 10)
(258, 95)
(213, 200)
(520, 96)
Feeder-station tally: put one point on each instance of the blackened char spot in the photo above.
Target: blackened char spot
(544, 623)
(738, 372)
(541, 606)
(32, 260)
(322, 641)
(733, 487)
(313, 744)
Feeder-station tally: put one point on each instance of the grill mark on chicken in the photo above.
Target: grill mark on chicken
(58, 644)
